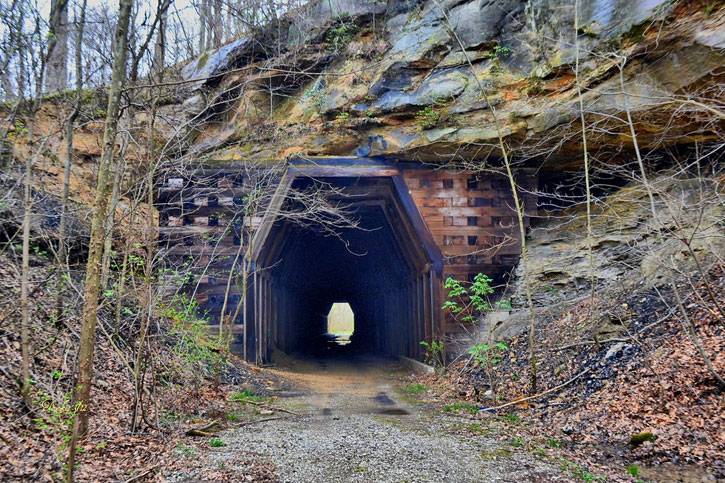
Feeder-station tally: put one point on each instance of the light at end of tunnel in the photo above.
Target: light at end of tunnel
(341, 319)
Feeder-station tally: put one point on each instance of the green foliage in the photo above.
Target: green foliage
(458, 406)
(640, 438)
(56, 416)
(511, 417)
(496, 55)
(216, 443)
(170, 416)
(315, 97)
(343, 115)
(415, 388)
(232, 417)
(485, 354)
(633, 470)
(18, 129)
(187, 451)
(499, 52)
(247, 396)
(578, 472)
(467, 304)
(38, 251)
(553, 443)
(433, 353)
(517, 442)
(196, 350)
(341, 32)
(427, 117)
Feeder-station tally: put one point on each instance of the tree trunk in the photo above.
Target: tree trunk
(100, 207)
(62, 243)
(157, 75)
(56, 77)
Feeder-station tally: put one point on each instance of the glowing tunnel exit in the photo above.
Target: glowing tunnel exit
(341, 319)
(340, 323)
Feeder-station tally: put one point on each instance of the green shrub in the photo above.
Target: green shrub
(427, 118)
(216, 443)
(246, 397)
(415, 388)
(433, 353)
(341, 32)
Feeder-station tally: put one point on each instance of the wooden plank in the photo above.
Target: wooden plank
(271, 214)
(418, 223)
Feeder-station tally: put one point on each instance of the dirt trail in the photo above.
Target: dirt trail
(357, 427)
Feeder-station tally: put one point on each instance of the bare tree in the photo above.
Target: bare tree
(57, 76)
(100, 207)
(62, 253)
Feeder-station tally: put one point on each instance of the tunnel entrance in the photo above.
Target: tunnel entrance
(387, 269)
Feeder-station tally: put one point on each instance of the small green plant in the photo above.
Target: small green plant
(578, 472)
(216, 443)
(232, 417)
(467, 304)
(553, 443)
(641, 438)
(517, 442)
(458, 406)
(169, 416)
(196, 350)
(342, 32)
(511, 417)
(427, 118)
(187, 451)
(315, 97)
(18, 129)
(343, 115)
(39, 252)
(475, 428)
(433, 353)
(415, 388)
(247, 397)
(497, 54)
(500, 51)
(56, 417)
(484, 354)
(633, 470)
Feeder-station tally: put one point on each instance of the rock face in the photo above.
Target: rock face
(398, 72)
(630, 247)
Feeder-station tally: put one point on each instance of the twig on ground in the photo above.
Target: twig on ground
(202, 431)
(536, 396)
(141, 475)
(270, 407)
(616, 339)
(264, 420)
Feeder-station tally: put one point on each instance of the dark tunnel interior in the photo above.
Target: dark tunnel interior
(379, 268)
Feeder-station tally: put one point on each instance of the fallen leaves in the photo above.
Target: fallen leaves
(656, 382)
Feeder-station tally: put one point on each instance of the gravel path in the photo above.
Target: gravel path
(356, 427)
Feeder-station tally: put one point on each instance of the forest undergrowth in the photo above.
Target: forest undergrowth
(180, 393)
(622, 390)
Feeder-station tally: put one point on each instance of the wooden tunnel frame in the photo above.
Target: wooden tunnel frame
(422, 295)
